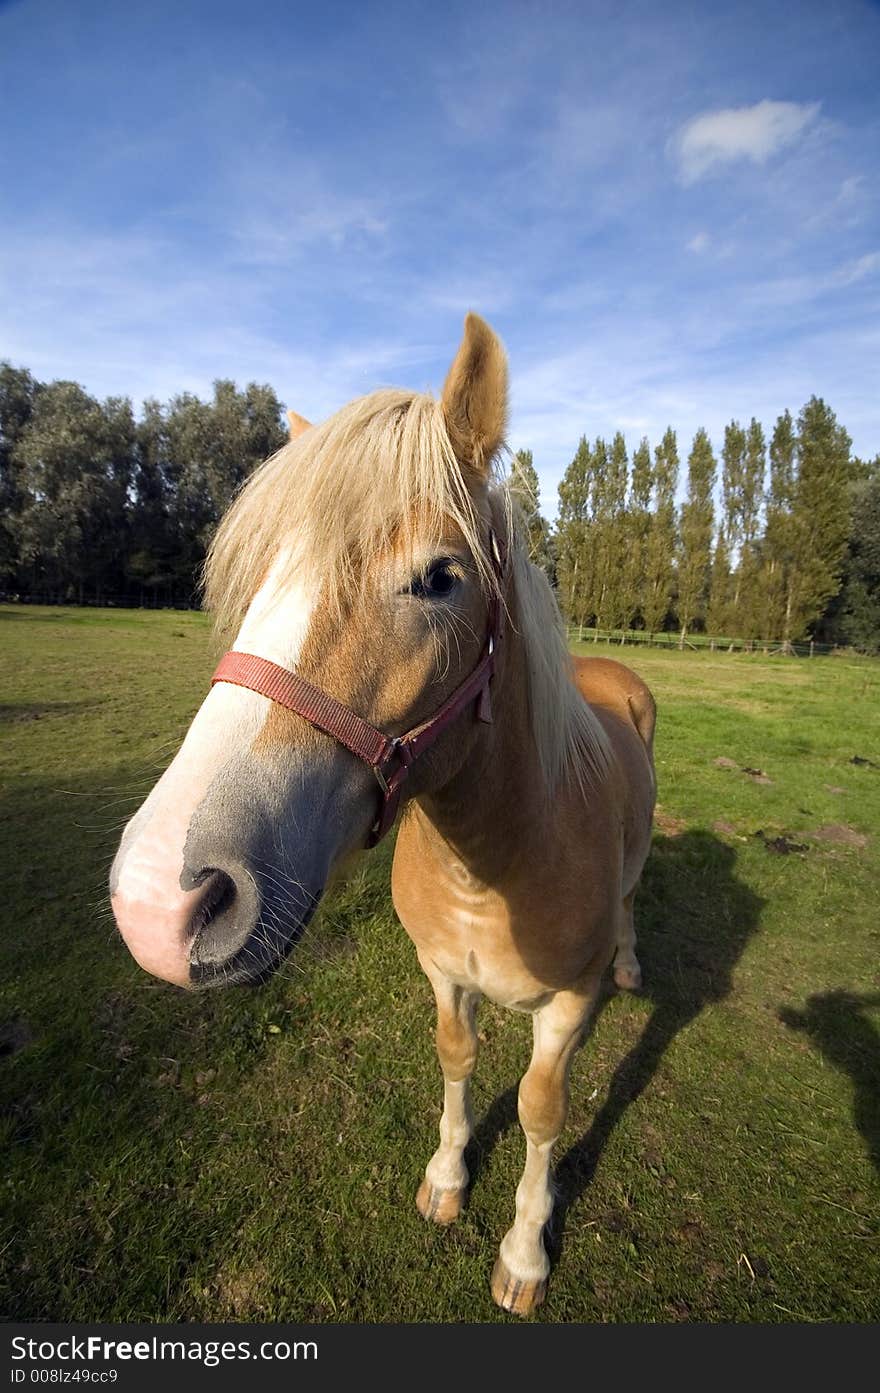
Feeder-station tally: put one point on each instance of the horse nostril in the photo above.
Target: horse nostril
(220, 893)
(226, 914)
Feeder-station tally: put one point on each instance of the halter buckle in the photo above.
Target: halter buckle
(390, 783)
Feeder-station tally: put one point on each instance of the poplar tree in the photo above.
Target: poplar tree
(635, 527)
(571, 534)
(609, 478)
(525, 485)
(778, 544)
(749, 603)
(594, 541)
(615, 534)
(695, 528)
(820, 515)
(718, 612)
(732, 469)
(661, 535)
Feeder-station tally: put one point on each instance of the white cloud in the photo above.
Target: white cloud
(856, 270)
(698, 243)
(739, 133)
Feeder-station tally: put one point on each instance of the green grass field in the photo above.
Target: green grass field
(255, 1155)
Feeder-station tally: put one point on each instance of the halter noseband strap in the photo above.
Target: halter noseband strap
(389, 756)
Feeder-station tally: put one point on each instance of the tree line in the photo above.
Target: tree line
(96, 505)
(772, 541)
(792, 550)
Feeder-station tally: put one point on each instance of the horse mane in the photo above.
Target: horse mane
(382, 472)
(379, 473)
(569, 738)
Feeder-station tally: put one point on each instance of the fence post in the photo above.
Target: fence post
(811, 648)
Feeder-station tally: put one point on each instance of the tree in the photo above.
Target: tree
(525, 485)
(612, 539)
(635, 528)
(573, 563)
(18, 394)
(718, 611)
(748, 602)
(661, 537)
(860, 607)
(151, 560)
(75, 459)
(732, 471)
(213, 447)
(820, 515)
(596, 535)
(778, 542)
(697, 515)
(742, 485)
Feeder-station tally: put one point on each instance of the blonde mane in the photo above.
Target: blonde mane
(569, 738)
(379, 473)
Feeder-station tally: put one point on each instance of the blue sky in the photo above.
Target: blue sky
(669, 213)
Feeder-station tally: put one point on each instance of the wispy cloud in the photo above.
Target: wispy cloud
(857, 270)
(717, 138)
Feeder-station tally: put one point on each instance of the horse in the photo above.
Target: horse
(396, 648)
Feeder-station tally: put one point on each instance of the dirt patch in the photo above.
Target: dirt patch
(726, 829)
(834, 788)
(780, 845)
(668, 824)
(15, 1035)
(757, 776)
(840, 835)
(15, 712)
(244, 1293)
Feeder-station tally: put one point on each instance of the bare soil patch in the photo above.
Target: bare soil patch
(840, 835)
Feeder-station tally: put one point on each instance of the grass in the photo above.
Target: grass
(255, 1155)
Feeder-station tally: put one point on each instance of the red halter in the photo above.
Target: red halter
(389, 756)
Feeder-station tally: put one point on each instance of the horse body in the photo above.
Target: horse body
(523, 837)
(515, 895)
(525, 901)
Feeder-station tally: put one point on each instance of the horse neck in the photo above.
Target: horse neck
(489, 811)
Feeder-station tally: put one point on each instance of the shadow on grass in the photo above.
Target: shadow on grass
(837, 1024)
(113, 1088)
(694, 919)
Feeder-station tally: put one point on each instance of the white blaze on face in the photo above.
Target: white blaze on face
(277, 622)
(153, 912)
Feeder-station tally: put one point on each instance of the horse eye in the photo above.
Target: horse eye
(438, 581)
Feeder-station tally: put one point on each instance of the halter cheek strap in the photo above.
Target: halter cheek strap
(389, 756)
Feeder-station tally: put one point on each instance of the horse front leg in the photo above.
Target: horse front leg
(442, 1193)
(519, 1279)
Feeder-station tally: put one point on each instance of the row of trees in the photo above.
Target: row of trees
(95, 504)
(793, 549)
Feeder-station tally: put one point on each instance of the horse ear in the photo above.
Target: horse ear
(297, 424)
(474, 396)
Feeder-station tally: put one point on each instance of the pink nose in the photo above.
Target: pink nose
(156, 918)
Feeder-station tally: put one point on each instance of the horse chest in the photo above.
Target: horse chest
(466, 933)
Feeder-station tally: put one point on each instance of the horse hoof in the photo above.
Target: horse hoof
(518, 1297)
(440, 1206)
(628, 978)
